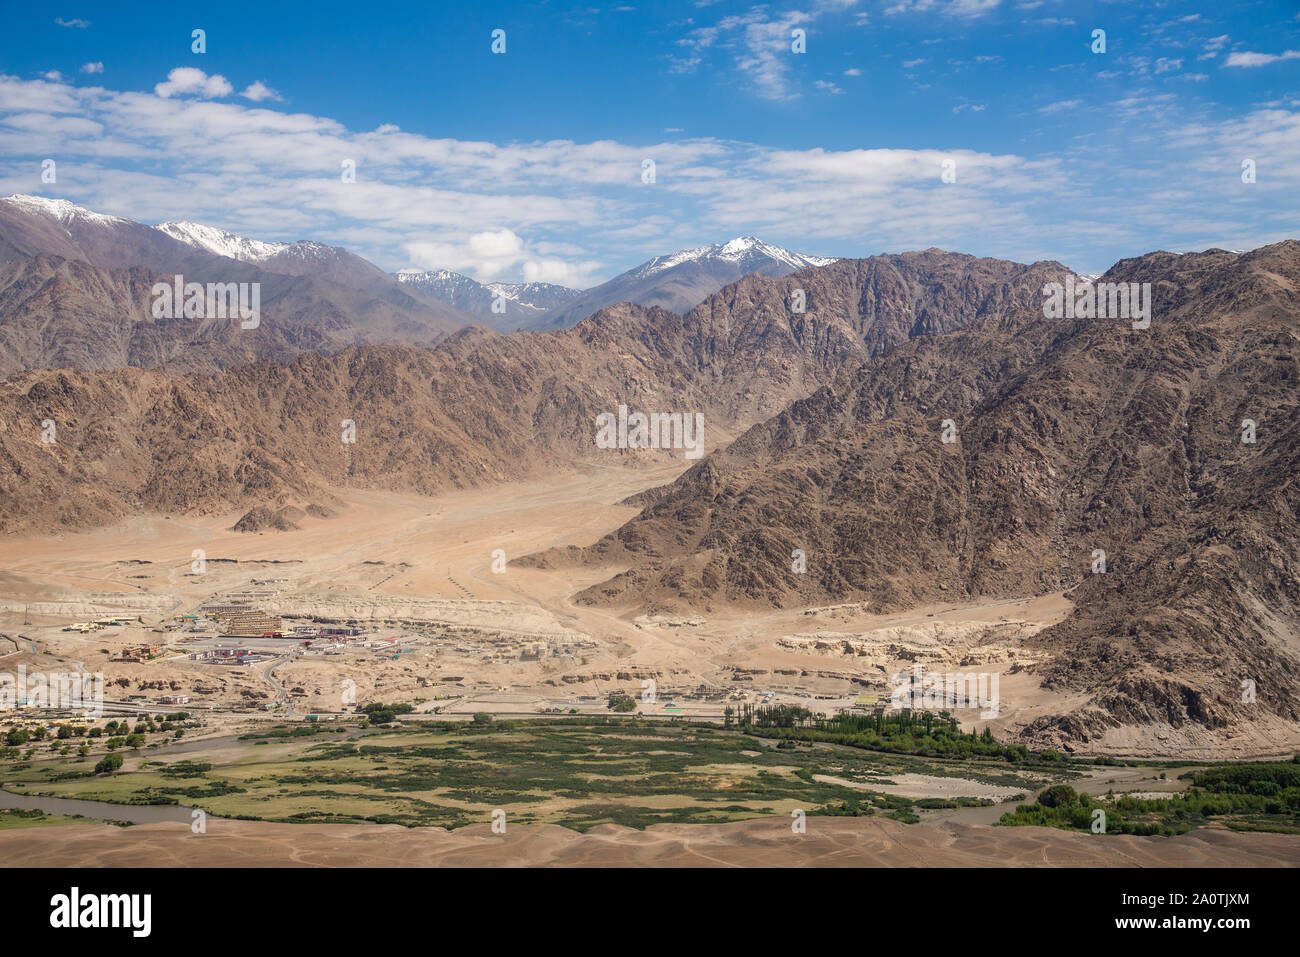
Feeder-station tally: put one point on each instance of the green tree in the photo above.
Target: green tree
(108, 764)
(1058, 795)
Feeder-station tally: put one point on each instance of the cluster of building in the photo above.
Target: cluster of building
(139, 654)
(253, 624)
(85, 627)
(237, 618)
(511, 647)
(231, 656)
(254, 594)
(243, 621)
(332, 632)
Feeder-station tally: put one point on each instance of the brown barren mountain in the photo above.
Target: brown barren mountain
(76, 292)
(1073, 437)
(478, 408)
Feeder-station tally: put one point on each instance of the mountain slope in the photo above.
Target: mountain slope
(76, 289)
(478, 408)
(680, 281)
(221, 242)
(1073, 436)
(523, 302)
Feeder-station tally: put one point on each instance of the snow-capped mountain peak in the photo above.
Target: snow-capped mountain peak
(208, 238)
(63, 210)
(742, 251)
(427, 275)
(529, 291)
(222, 242)
(527, 298)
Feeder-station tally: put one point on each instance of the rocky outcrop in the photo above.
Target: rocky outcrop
(1078, 446)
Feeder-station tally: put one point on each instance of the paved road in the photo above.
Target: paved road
(282, 695)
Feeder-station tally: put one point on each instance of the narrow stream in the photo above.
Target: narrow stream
(100, 810)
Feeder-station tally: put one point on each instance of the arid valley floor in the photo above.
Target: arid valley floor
(444, 632)
(417, 574)
(857, 434)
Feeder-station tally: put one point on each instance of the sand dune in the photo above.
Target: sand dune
(768, 842)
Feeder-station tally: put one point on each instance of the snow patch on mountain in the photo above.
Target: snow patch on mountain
(223, 242)
(741, 251)
(532, 292)
(61, 209)
(530, 298)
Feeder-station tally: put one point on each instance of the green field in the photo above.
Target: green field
(13, 818)
(574, 772)
(582, 772)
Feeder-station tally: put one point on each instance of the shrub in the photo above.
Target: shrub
(1058, 795)
(108, 764)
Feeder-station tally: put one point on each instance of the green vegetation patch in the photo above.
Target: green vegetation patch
(578, 772)
(1263, 796)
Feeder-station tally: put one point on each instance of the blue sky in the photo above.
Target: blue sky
(528, 164)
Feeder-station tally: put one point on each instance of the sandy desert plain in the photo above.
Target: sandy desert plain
(446, 634)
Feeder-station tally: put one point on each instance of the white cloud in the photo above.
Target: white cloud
(1260, 59)
(766, 54)
(77, 24)
(189, 79)
(502, 244)
(484, 255)
(759, 44)
(258, 91)
(575, 275)
(1271, 137)
(1213, 45)
(550, 209)
(92, 67)
(956, 8)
